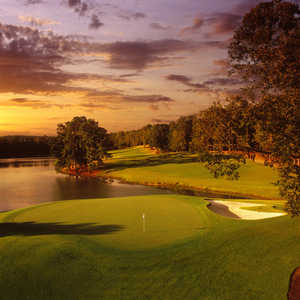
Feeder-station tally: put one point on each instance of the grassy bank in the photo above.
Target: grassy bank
(141, 165)
(92, 249)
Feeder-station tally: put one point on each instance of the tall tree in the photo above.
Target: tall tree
(80, 143)
(265, 50)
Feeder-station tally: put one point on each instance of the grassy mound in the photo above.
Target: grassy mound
(140, 165)
(127, 222)
(54, 252)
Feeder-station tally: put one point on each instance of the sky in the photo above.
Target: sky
(124, 63)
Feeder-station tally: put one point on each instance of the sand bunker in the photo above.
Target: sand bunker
(236, 208)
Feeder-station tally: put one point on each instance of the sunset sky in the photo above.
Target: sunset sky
(125, 63)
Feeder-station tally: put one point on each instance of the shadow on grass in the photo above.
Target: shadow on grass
(33, 228)
(126, 162)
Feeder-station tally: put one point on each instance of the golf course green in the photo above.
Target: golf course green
(167, 246)
(92, 249)
(126, 223)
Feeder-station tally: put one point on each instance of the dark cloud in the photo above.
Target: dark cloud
(222, 81)
(89, 9)
(95, 22)
(147, 99)
(197, 24)
(186, 81)
(33, 2)
(31, 61)
(139, 15)
(139, 55)
(212, 85)
(119, 97)
(128, 16)
(129, 75)
(73, 3)
(158, 26)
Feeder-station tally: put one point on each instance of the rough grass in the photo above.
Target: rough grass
(140, 165)
(50, 252)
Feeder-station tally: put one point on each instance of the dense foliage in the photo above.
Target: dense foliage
(80, 143)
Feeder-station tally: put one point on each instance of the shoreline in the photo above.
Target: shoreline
(178, 188)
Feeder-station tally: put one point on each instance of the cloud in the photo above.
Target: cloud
(223, 23)
(95, 22)
(128, 16)
(118, 96)
(74, 3)
(197, 24)
(223, 81)
(185, 80)
(90, 9)
(147, 99)
(35, 104)
(37, 21)
(31, 61)
(95, 106)
(209, 86)
(140, 55)
(158, 26)
(33, 2)
(118, 100)
(139, 15)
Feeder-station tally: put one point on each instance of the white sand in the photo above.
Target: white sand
(235, 207)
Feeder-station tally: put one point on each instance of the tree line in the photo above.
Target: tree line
(25, 146)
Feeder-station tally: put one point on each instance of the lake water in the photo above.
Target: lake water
(29, 181)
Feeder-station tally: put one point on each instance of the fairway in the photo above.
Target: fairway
(182, 170)
(127, 223)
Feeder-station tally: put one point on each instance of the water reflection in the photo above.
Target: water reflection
(25, 182)
(23, 162)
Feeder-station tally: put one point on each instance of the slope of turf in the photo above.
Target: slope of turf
(50, 252)
(127, 222)
(140, 165)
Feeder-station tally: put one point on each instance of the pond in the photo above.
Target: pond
(30, 181)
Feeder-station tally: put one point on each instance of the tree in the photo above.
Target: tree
(80, 143)
(160, 134)
(265, 50)
(180, 134)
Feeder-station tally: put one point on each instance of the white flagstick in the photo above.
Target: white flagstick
(144, 222)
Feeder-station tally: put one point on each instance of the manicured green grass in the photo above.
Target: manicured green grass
(141, 166)
(132, 222)
(50, 252)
